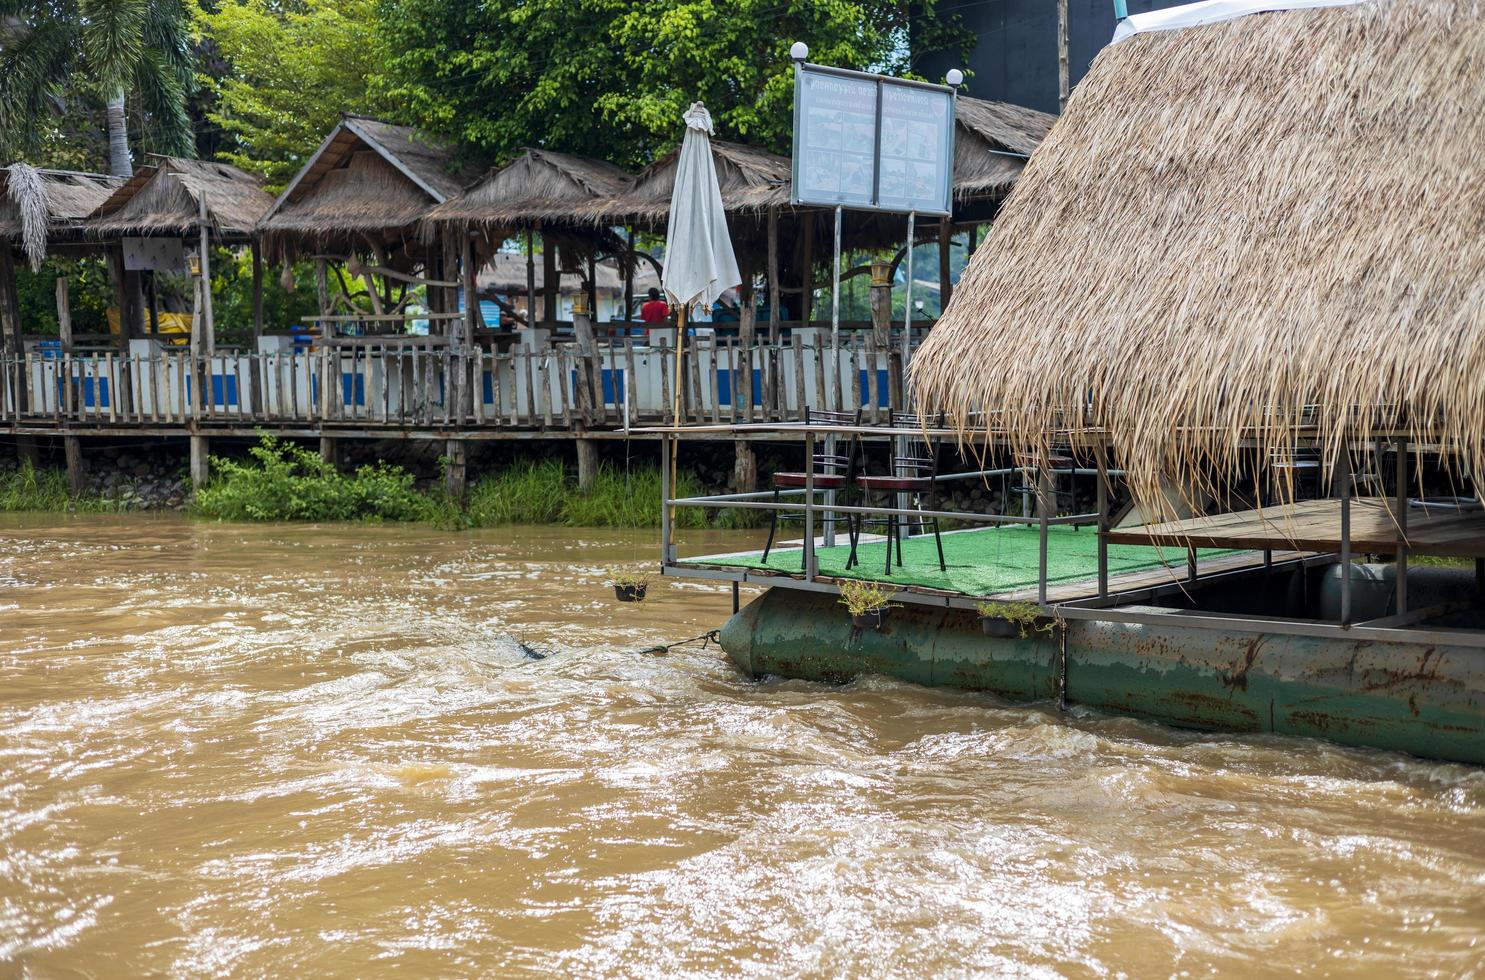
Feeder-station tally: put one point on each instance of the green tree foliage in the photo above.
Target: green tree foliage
(611, 78)
(132, 58)
(294, 69)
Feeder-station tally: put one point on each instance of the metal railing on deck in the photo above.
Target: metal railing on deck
(810, 507)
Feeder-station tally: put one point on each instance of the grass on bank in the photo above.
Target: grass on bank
(282, 481)
(27, 488)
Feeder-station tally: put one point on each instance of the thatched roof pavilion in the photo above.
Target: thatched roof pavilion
(368, 184)
(537, 186)
(1231, 223)
(39, 207)
(992, 142)
(751, 180)
(166, 197)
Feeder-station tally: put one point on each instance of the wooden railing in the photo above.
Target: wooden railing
(556, 387)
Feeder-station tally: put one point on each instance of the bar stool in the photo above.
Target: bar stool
(913, 472)
(831, 471)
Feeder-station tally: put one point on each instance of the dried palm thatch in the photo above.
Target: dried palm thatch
(37, 206)
(369, 181)
(539, 185)
(165, 198)
(752, 180)
(1240, 236)
(991, 144)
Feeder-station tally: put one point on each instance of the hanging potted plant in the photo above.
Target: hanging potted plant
(1018, 620)
(867, 602)
(630, 584)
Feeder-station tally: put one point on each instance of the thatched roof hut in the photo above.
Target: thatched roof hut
(1233, 222)
(751, 181)
(992, 142)
(166, 197)
(369, 183)
(539, 185)
(38, 207)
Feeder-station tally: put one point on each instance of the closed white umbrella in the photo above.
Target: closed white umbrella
(699, 263)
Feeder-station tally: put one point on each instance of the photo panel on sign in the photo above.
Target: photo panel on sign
(835, 153)
(917, 148)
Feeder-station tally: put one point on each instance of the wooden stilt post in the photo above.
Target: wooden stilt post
(744, 467)
(549, 281)
(629, 276)
(200, 461)
(208, 320)
(1343, 477)
(76, 473)
(587, 463)
(455, 477)
(255, 361)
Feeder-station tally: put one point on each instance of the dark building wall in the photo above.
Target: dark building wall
(1015, 55)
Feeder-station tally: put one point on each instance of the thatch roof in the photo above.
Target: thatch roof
(1232, 222)
(37, 206)
(368, 178)
(751, 180)
(536, 186)
(165, 197)
(506, 273)
(991, 144)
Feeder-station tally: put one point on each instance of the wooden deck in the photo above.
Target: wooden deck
(1315, 525)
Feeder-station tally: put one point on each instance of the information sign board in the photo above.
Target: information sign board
(871, 142)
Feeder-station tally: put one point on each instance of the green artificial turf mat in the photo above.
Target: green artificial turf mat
(980, 562)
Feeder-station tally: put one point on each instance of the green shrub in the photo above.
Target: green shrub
(285, 482)
(28, 488)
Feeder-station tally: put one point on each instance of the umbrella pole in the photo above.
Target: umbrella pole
(680, 344)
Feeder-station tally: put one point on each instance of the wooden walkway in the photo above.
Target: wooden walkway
(1315, 525)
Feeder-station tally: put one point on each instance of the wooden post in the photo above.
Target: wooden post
(10, 318)
(64, 315)
(629, 276)
(773, 274)
(531, 278)
(549, 282)
(455, 477)
(255, 382)
(200, 461)
(592, 284)
(330, 450)
(76, 469)
(257, 293)
(208, 321)
(472, 318)
(945, 248)
(587, 463)
(745, 466)
(322, 289)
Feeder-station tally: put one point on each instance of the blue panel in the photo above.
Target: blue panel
(86, 392)
(613, 385)
(488, 387)
(223, 390)
(724, 386)
(881, 388)
(353, 388)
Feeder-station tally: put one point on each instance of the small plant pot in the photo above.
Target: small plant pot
(872, 620)
(630, 593)
(1000, 628)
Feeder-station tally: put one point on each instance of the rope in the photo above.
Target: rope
(707, 638)
(710, 636)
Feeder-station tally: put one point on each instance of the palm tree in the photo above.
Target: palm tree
(52, 51)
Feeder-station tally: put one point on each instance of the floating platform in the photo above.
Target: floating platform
(1000, 563)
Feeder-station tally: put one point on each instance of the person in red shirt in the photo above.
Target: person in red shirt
(656, 311)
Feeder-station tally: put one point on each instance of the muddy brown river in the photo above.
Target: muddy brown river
(292, 751)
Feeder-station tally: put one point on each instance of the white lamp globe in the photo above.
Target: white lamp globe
(955, 77)
(799, 51)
